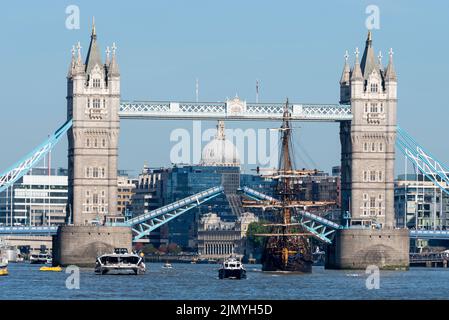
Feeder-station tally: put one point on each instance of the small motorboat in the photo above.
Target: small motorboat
(49, 268)
(120, 262)
(167, 266)
(232, 269)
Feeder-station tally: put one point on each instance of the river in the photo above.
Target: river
(200, 281)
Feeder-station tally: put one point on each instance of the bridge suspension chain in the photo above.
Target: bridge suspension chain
(20, 168)
(425, 162)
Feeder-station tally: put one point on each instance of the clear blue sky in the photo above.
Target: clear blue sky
(295, 48)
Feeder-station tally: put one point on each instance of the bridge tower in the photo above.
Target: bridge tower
(367, 166)
(93, 100)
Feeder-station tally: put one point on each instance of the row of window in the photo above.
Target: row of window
(95, 143)
(372, 205)
(373, 107)
(373, 147)
(94, 209)
(96, 103)
(372, 176)
(95, 172)
(96, 83)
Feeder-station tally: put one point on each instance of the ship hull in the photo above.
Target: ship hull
(232, 274)
(295, 264)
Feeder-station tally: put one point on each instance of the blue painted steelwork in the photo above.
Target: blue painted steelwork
(232, 110)
(426, 163)
(256, 195)
(429, 234)
(19, 169)
(320, 227)
(29, 230)
(143, 224)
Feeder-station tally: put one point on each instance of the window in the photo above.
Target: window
(96, 83)
(381, 146)
(380, 175)
(372, 176)
(365, 146)
(372, 202)
(96, 103)
(87, 172)
(365, 176)
(103, 143)
(95, 198)
(88, 142)
(373, 146)
(374, 87)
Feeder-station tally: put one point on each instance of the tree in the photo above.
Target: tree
(173, 248)
(149, 249)
(162, 248)
(257, 242)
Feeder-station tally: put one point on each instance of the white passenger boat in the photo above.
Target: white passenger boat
(120, 262)
(39, 258)
(232, 269)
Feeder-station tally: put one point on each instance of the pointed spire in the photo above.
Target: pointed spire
(357, 71)
(345, 76)
(108, 52)
(72, 62)
(113, 67)
(368, 63)
(94, 31)
(93, 57)
(390, 73)
(78, 48)
(379, 59)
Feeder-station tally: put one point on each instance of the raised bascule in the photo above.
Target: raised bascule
(367, 234)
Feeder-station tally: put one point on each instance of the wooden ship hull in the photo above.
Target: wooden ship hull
(293, 258)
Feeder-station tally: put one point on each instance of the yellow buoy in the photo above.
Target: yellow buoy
(55, 269)
(3, 272)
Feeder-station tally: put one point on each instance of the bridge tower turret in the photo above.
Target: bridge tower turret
(93, 101)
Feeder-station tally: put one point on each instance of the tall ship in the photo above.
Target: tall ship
(287, 246)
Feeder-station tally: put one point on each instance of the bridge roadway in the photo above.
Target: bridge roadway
(234, 109)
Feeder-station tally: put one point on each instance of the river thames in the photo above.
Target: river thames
(200, 282)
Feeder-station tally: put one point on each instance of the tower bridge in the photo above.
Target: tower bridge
(366, 113)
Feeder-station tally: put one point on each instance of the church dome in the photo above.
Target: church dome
(219, 151)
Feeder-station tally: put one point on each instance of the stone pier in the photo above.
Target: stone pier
(359, 248)
(80, 245)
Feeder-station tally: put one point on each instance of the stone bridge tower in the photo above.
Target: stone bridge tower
(368, 141)
(367, 160)
(93, 100)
